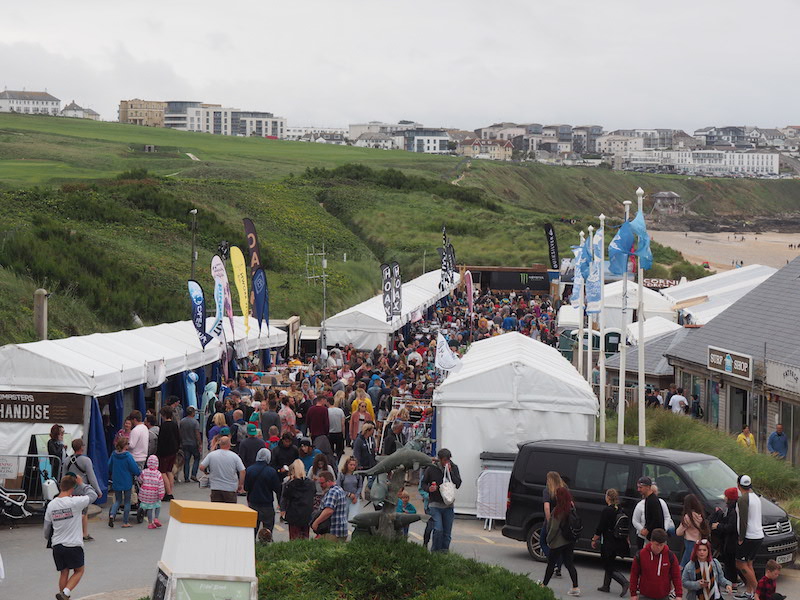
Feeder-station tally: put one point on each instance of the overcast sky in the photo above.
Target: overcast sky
(453, 63)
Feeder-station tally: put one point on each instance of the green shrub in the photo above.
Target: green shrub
(688, 270)
(664, 254)
(771, 477)
(374, 569)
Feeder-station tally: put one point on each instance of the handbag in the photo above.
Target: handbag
(324, 527)
(448, 488)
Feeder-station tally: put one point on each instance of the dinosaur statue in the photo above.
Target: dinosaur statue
(405, 458)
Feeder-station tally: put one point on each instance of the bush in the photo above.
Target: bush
(664, 254)
(688, 270)
(772, 478)
(372, 569)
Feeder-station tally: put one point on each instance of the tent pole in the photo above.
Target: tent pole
(602, 318)
(640, 311)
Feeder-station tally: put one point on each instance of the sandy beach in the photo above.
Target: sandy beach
(721, 250)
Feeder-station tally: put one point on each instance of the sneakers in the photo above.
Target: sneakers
(557, 572)
(110, 521)
(152, 526)
(193, 478)
(744, 596)
(167, 497)
(88, 538)
(62, 596)
(603, 589)
(574, 592)
(157, 523)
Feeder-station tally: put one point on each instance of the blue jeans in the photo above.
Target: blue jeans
(190, 452)
(442, 527)
(688, 546)
(119, 498)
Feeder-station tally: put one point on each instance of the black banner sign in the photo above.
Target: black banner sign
(387, 288)
(552, 245)
(41, 407)
(397, 292)
(252, 245)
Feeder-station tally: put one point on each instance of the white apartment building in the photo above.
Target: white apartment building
(706, 162)
(381, 141)
(31, 103)
(616, 144)
(428, 141)
(75, 111)
(221, 120)
(356, 129)
(295, 133)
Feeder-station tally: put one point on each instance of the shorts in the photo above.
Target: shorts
(746, 551)
(67, 557)
(223, 496)
(165, 463)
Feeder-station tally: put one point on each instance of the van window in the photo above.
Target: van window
(671, 487)
(597, 475)
(539, 463)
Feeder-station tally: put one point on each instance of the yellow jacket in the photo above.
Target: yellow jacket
(748, 443)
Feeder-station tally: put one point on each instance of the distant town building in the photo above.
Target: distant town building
(77, 112)
(355, 130)
(31, 103)
(584, 138)
(492, 131)
(337, 139)
(668, 203)
(423, 139)
(295, 133)
(216, 119)
(711, 136)
(483, 148)
(382, 141)
(703, 162)
(616, 144)
(149, 113)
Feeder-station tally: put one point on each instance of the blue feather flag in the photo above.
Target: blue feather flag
(620, 249)
(643, 247)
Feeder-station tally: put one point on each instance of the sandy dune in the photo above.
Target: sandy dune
(722, 249)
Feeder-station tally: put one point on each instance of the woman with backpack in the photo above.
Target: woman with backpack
(612, 535)
(693, 527)
(561, 537)
(554, 482)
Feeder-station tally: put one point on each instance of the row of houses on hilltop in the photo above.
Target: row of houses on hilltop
(42, 103)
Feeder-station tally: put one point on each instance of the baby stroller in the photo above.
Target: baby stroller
(12, 504)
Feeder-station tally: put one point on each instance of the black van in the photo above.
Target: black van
(590, 468)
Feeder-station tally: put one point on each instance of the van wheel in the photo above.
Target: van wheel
(534, 544)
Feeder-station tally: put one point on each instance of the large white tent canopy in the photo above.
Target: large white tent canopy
(365, 326)
(103, 363)
(510, 389)
(653, 328)
(655, 305)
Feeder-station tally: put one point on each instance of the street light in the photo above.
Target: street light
(193, 212)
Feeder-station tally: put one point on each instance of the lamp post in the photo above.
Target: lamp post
(622, 353)
(589, 317)
(581, 301)
(640, 314)
(193, 212)
(602, 319)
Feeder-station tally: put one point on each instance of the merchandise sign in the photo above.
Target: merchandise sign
(730, 363)
(41, 407)
(782, 376)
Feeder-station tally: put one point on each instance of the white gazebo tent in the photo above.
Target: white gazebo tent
(653, 327)
(103, 363)
(655, 305)
(510, 389)
(365, 326)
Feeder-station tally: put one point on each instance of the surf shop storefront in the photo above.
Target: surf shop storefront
(89, 384)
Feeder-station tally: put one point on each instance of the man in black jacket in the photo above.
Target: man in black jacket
(284, 454)
(394, 438)
(261, 482)
(653, 513)
(442, 513)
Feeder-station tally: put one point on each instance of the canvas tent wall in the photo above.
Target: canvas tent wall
(509, 389)
(364, 325)
(655, 305)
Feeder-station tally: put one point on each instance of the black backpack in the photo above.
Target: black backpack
(622, 526)
(572, 526)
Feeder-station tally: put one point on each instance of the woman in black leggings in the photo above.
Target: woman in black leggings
(612, 535)
(561, 548)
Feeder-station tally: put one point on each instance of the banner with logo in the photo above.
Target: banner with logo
(220, 278)
(386, 289)
(218, 270)
(253, 246)
(397, 290)
(446, 359)
(468, 286)
(260, 306)
(240, 280)
(552, 245)
(199, 312)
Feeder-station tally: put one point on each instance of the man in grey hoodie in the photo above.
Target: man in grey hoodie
(81, 465)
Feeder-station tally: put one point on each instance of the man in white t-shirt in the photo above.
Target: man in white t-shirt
(63, 528)
(139, 439)
(678, 402)
(750, 533)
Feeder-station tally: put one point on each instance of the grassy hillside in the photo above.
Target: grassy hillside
(105, 226)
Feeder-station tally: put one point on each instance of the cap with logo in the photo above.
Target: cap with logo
(745, 482)
(645, 481)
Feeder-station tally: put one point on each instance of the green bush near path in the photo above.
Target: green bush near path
(368, 569)
(772, 478)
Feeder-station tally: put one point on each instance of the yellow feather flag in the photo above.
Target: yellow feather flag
(240, 278)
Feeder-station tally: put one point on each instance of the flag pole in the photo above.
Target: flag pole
(602, 319)
(590, 317)
(640, 313)
(581, 302)
(622, 353)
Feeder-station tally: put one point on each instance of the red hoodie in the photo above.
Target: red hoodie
(652, 574)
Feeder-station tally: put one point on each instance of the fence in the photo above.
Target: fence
(612, 395)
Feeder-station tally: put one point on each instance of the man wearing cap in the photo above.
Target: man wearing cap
(225, 472)
(249, 447)
(307, 453)
(653, 513)
(751, 534)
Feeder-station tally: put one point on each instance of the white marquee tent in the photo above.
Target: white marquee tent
(364, 325)
(655, 305)
(509, 389)
(653, 327)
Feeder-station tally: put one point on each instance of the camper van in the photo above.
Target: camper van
(590, 468)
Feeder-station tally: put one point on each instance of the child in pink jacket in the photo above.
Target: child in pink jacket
(151, 492)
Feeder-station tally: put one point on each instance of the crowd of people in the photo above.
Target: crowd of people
(735, 533)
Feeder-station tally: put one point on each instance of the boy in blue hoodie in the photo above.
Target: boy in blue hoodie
(121, 470)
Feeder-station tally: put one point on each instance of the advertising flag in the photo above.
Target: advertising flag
(219, 296)
(256, 264)
(199, 312)
(219, 272)
(253, 246)
(577, 279)
(468, 286)
(240, 279)
(446, 359)
(552, 245)
(387, 288)
(260, 295)
(620, 249)
(643, 247)
(593, 291)
(397, 290)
